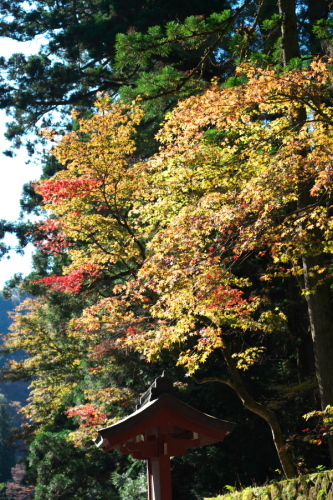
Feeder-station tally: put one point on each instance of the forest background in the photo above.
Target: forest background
(187, 206)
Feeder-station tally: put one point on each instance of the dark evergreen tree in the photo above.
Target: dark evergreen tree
(7, 452)
(78, 58)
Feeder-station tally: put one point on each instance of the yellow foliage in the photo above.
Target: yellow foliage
(171, 235)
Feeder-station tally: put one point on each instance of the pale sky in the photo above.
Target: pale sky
(14, 172)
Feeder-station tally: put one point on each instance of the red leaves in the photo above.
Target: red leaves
(59, 190)
(226, 298)
(131, 330)
(72, 283)
(53, 242)
(89, 414)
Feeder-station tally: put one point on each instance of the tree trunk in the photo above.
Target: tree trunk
(319, 301)
(317, 292)
(321, 325)
(299, 327)
(318, 9)
(268, 415)
(320, 311)
(290, 46)
(260, 410)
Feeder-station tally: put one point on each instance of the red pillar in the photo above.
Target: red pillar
(159, 478)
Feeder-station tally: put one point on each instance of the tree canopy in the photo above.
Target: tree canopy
(163, 53)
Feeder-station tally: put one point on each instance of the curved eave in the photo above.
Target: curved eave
(166, 410)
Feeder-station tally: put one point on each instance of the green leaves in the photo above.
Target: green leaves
(137, 49)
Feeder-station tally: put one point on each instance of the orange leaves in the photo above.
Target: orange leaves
(100, 409)
(224, 297)
(262, 164)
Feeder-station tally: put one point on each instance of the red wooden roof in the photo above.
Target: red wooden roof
(165, 415)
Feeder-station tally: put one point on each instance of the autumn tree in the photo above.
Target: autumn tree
(318, 292)
(210, 214)
(235, 166)
(161, 54)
